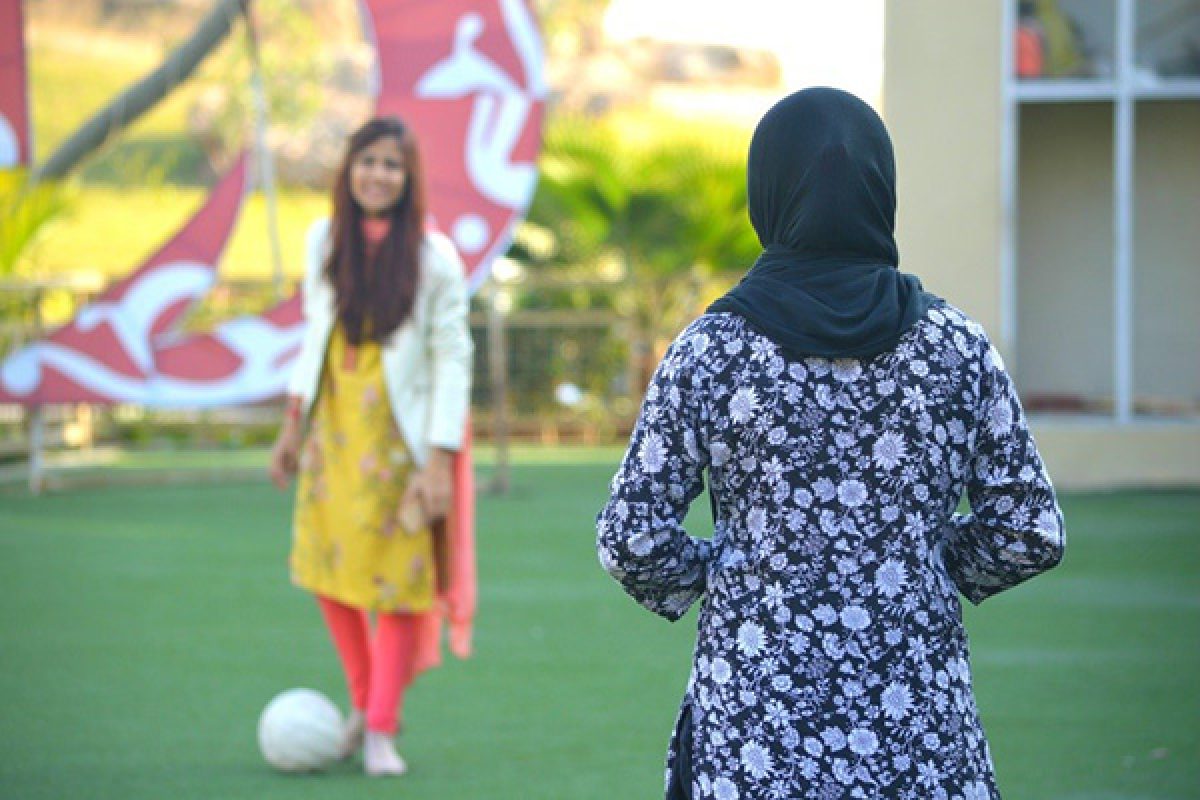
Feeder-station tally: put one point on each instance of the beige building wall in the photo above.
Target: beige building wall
(942, 104)
(1166, 237)
(1064, 264)
(1098, 455)
(943, 101)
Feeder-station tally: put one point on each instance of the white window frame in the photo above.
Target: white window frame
(1123, 92)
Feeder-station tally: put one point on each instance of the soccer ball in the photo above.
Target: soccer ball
(300, 730)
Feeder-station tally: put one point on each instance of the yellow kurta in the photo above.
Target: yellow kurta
(349, 538)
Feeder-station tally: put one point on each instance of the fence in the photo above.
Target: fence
(555, 362)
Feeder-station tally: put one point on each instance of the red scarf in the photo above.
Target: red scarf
(374, 231)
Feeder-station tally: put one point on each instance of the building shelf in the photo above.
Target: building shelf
(1088, 91)
(1168, 89)
(1064, 91)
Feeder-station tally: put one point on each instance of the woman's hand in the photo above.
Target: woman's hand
(285, 454)
(432, 487)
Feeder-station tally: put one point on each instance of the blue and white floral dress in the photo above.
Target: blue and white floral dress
(831, 659)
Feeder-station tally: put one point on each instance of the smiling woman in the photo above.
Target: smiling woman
(373, 270)
(376, 412)
(377, 176)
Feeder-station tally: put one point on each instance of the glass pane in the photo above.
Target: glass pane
(1167, 40)
(1065, 39)
(1166, 263)
(1064, 353)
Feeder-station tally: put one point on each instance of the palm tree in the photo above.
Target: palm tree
(670, 212)
(25, 211)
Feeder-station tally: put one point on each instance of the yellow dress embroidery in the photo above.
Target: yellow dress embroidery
(349, 541)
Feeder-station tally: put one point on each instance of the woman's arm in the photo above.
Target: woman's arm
(307, 366)
(285, 453)
(639, 533)
(1015, 528)
(450, 348)
(450, 351)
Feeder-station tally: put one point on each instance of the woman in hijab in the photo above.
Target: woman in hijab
(841, 413)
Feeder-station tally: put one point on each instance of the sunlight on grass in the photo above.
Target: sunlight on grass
(73, 75)
(99, 237)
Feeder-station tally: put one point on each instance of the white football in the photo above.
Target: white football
(300, 730)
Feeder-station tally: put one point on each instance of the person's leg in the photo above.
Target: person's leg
(350, 630)
(392, 655)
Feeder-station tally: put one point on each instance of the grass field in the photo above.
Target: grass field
(82, 240)
(147, 182)
(142, 630)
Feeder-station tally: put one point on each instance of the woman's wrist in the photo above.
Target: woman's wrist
(440, 457)
(294, 410)
(293, 418)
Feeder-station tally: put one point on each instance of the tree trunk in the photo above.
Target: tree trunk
(144, 94)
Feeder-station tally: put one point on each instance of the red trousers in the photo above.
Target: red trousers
(378, 667)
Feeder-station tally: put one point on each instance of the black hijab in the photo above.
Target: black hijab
(821, 186)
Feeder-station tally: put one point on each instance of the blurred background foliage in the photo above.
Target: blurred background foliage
(638, 219)
(638, 188)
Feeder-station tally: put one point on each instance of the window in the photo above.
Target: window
(1102, 166)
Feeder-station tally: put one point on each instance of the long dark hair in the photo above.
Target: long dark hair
(375, 296)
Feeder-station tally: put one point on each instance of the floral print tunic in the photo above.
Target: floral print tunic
(350, 540)
(831, 660)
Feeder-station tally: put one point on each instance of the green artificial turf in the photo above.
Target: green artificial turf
(143, 629)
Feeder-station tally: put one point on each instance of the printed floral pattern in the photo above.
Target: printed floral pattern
(349, 540)
(831, 660)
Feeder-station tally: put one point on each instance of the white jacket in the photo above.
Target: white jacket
(426, 361)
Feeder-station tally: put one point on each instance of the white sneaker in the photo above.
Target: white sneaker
(352, 734)
(380, 758)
